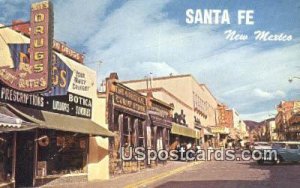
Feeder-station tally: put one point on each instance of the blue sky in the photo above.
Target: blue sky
(135, 38)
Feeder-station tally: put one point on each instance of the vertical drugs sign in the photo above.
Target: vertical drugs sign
(32, 70)
(41, 38)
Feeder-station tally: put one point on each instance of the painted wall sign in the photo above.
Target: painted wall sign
(160, 110)
(69, 104)
(218, 129)
(129, 99)
(33, 74)
(67, 51)
(160, 121)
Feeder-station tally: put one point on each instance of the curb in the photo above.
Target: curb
(150, 180)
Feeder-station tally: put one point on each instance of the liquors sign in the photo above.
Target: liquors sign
(69, 104)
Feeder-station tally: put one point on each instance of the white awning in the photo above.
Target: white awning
(206, 132)
(11, 122)
(9, 36)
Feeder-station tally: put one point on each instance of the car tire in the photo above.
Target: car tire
(260, 162)
(277, 161)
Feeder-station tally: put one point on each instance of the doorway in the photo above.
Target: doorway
(24, 159)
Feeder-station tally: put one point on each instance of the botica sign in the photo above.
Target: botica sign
(33, 75)
(69, 104)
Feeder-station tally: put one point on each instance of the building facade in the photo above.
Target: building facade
(137, 121)
(47, 104)
(287, 120)
(194, 105)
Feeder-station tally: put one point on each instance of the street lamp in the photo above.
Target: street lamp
(293, 77)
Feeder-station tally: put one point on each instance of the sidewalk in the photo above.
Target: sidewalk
(138, 179)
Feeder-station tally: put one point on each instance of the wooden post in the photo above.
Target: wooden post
(136, 139)
(164, 138)
(130, 131)
(120, 124)
(85, 169)
(155, 142)
(35, 156)
(14, 157)
(111, 126)
(144, 128)
(136, 130)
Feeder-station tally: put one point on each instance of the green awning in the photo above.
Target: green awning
(184, 131)
(61, 122)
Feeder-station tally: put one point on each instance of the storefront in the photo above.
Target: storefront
(47, 103)
(52, 149)
(159, 125)
(221, 135)
(127, 116)
(9, 123)
(209, 138)
(183, 136)
(294, 128)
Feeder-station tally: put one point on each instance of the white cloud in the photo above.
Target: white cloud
(268, 95)
(77, 20)
(138, 34)
(137, 37)
(259, 116)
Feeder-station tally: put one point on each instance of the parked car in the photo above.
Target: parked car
(286, 151)
(260, 146)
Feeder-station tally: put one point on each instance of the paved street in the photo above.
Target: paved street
(213, 174)
(234, 174)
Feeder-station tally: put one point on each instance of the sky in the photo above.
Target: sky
(136, 37)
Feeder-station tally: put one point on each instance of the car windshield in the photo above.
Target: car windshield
(278, 145)
(261, 144)
(293, 146)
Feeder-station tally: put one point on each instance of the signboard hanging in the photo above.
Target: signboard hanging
(33, 74)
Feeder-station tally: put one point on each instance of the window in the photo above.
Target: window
(152, 138)
(167, 138)
(278, 145)
(61, 153)
(140, 134)
(127, 132)
(293, 146)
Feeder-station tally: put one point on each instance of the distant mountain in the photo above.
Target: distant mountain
(252, 124)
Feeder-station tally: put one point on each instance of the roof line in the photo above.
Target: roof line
(158, 78)
(168, 93)
(171, 77)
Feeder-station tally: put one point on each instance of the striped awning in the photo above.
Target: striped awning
(10, 122)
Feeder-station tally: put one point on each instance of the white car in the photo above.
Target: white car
(261, 146)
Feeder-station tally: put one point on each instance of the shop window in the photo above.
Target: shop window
(61, 153)
(167, 138)
(6, 157)
(127, 132)
(152, 138)
(159, 139)
(141, 137)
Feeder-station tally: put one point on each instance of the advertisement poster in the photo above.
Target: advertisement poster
(205, 93)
